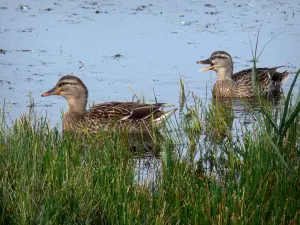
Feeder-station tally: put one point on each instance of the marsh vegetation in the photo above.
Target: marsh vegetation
(209, 172)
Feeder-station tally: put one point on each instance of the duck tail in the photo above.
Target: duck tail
(284, 77)
(164, 116)
(279, 77)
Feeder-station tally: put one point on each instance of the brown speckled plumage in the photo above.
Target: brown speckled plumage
(132, 116)
(239, 84)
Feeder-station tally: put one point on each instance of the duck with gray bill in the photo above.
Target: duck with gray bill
(238, 84)
(133, 116)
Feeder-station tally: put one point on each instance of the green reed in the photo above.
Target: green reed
(209, 174)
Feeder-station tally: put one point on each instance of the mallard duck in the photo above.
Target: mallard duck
(238, 84)
(135, 117)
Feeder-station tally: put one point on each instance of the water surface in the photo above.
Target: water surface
(158, 43)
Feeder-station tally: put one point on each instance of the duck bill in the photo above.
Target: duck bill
(53, 91)
(206, 68)
(206, 61)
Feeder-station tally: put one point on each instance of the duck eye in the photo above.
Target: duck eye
(219, 57)
(61, 84)
(64, 83)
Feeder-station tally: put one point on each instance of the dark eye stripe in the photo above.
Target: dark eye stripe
(64, 83)
(219, 57)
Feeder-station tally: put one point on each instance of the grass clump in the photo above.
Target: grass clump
(251, 178)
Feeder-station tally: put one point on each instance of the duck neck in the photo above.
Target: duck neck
(77, 105)
(225, 73)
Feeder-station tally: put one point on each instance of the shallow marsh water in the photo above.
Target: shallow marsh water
(119, 46)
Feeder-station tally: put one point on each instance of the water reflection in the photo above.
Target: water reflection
(146, 149)
(232, 118)
(208, 135)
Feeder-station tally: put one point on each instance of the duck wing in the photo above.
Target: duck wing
(266, 76)
(125, 111)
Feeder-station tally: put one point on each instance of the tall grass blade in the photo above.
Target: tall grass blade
(268, 117)
(291, 118)
(287, 102)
